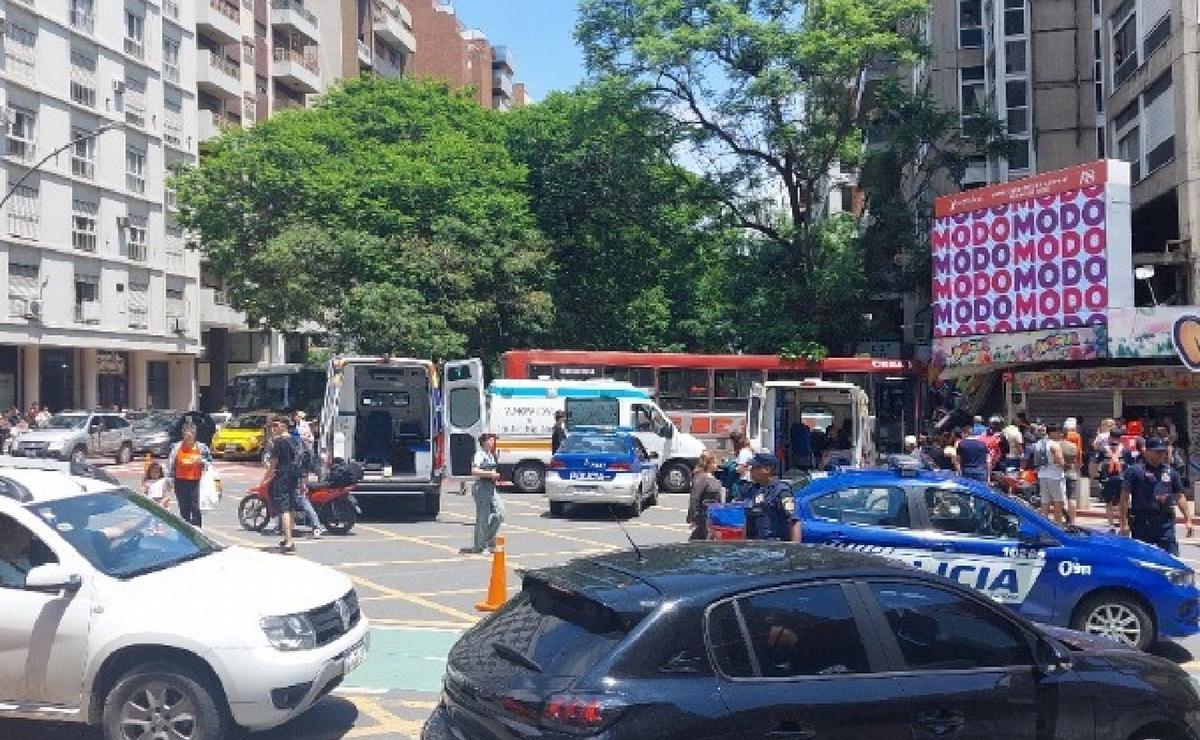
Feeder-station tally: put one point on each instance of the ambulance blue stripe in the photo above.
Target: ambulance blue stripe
(527, 392)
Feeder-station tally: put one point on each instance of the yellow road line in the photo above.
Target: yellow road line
(460, 591)
(414, 599)
(406, 538)
(544, 533)
(431, 625)
(224, 534)
(388, 724)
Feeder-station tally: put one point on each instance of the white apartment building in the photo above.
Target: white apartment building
(103, 293)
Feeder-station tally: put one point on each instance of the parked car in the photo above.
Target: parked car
(594, 466)
(761, 640)
(79, 435)
(220, 418)
(152, 433)
(108, 617)
(1067, 576)
(242, 437)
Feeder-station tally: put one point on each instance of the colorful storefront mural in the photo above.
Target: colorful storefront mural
(1149, 378)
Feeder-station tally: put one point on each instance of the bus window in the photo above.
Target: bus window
(731, 388)
(642, 377)
(683, 390)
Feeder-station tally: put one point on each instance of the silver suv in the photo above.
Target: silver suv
(77, 436)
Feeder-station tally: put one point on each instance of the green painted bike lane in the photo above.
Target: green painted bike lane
(403, 659)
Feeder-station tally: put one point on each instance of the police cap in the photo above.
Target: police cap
(763, 460)
(1156, 444)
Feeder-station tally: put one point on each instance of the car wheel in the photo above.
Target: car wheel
(125, 454)
(529, 477)
(676, 477)
(164, 701)
(253, 514)
(634, 510)
(558, 508)
(79, 454)
(1117, 616)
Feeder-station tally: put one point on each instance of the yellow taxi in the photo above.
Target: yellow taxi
(242, 436)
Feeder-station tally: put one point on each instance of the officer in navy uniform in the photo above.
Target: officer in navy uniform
(771, 510)
(1149, 495)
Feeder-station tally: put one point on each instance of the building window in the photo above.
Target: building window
(83, 224)
(972, 91)
(87, 298)
(136, 238)
(1124, 42)
(1101, 145)
(138, 304)
(22, 134)
(970, 24)
(81, 16)
(134, 99)
(135, 34)
(20, 52)
(1015, 59)
(1014, 17)
(83, 79)
(1129, 148)
(175, 306)
(1157, 18)
(170, 9)
(1158, 122)
(170, 59)
(23, 287)
(135, 170)
(24, 216)
(83, 154)
(1017, 97)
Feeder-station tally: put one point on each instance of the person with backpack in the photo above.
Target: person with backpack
(302, 440)
(1109, 465)
(1051, 471)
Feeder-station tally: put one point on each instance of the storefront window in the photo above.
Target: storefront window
(158, 385)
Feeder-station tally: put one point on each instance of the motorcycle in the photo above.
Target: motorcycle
(334, 504)
(1018, 484)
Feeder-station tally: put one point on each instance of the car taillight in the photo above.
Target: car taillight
(620, 466)
(581, 713)
(556, 464)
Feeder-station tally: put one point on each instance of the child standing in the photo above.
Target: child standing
(154, 485)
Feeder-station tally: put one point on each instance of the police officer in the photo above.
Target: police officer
(1149, 495)
(771, 507)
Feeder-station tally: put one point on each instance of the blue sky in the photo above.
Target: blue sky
(537, 32)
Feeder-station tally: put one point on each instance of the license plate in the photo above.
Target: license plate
(580, 475)
(585, 489)
(231, 448)
(355, 657)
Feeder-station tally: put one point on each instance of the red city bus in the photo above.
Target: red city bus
(708, 395)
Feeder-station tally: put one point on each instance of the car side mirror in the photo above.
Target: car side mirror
(653, 455)
(53, 578)
(1038, 540)
(1052, 658)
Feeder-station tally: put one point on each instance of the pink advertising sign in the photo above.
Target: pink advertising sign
(1031, 255)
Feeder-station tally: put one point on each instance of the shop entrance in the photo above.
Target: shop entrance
(1171, 415)
(112, 381)
(57, 382)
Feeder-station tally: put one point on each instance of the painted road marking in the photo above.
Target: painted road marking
(544, 533)
(427, 625)
(387, 724)
(409, 539)
(414, 599)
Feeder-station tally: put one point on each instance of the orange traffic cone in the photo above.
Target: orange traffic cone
(497, 592)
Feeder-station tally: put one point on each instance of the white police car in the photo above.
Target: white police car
(1068, 576)
(602, 466)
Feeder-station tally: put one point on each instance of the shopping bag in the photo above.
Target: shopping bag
(210, 491)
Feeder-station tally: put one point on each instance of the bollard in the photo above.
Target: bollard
(497, 592)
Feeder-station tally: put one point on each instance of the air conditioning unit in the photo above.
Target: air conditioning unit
(91, 312)
(122, 222)
(33, 309)
(180, 325)
(118, 86)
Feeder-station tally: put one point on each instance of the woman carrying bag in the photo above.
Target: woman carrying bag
(186, 465)
(489, 509)
(706, 489)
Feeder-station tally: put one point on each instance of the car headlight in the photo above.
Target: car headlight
(1177, 576)
(54, 444)
(291, 632)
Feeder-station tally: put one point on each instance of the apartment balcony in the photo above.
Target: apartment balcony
(295, 18)
(502, 59)
(215, 311)
(385, 66)
(217, 75)
(208, 125)
(220, 20)
(366, 58)
(502, 84)
(297, 70)
(393, 25)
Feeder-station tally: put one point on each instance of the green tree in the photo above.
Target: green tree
(633, 235)
(391, 212)
(772, 94)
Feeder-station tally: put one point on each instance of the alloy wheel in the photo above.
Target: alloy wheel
(158, 711)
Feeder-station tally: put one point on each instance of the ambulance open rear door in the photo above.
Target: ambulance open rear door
(464, 414)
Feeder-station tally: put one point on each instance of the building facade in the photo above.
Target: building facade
(99, 101)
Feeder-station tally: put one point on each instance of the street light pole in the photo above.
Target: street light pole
(13, 188)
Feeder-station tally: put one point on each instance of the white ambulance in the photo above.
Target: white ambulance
(812, 423)
(521, 414)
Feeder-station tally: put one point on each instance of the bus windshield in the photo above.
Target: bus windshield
(281, 390)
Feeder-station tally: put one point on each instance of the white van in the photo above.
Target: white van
(403, 423)
(795, 418)
(521, 414)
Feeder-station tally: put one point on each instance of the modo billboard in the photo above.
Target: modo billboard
(1048, 252)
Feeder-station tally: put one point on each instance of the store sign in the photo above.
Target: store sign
(1081, 343)
(1185, 334)
(1146, 332)
(1151, 378)
(1047, 252)
(110, 363)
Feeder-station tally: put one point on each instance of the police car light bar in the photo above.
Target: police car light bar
(907, 469)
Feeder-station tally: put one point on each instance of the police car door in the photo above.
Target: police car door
(464, 414)
(974, 539)
(873, 517)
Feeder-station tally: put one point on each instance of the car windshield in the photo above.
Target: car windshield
(123, 535)
(154, 423)
(594, 444)
(65, 421)
(256, 421)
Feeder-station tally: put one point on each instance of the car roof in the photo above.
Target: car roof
(710, 569)
(32, 486)
(883, 477)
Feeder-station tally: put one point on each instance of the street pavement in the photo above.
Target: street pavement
(419, 593)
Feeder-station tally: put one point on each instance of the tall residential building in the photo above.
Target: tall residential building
(103, 294)
(360, 36)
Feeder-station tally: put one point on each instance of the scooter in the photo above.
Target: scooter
(335, 506)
